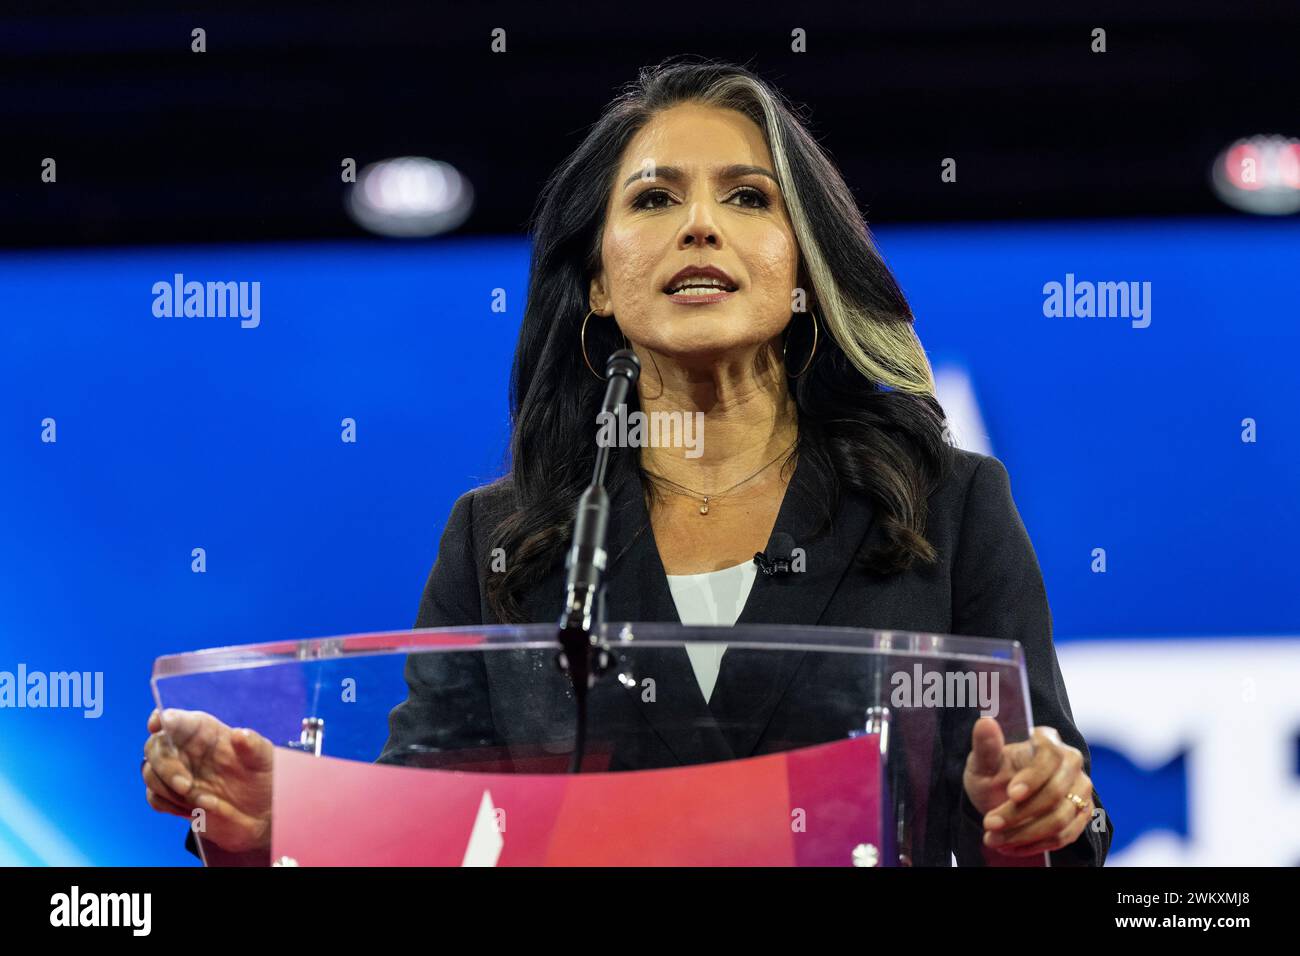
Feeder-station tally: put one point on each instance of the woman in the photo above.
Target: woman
(700, 225)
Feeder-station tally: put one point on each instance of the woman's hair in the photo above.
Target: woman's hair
(868, 418)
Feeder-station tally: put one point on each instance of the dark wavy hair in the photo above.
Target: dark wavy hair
(868, 418)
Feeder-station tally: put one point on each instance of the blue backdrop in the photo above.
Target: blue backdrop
(176, 433)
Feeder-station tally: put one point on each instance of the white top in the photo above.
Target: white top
(714, 597)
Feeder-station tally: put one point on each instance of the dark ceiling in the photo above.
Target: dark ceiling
(158, 144)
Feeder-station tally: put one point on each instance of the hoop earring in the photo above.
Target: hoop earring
(582, 341)
(786, 346)
(581, 338)
(658, 374)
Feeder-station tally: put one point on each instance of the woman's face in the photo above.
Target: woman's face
(683, 197)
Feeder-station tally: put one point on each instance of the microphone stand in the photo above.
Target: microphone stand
(580, 656)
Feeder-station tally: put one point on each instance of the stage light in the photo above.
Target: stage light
(410, 197)
(1260, 174)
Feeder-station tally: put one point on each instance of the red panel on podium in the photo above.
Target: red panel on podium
(806, 807)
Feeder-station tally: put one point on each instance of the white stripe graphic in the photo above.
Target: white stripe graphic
(39, 836)
(485, 840)
(953, 389)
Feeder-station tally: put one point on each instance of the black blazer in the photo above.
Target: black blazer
(986, 583)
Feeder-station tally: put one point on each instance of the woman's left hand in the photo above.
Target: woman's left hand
(1023, 790)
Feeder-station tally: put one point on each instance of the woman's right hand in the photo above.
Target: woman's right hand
(194, 760)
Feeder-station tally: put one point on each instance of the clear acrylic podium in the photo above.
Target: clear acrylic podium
(816, 746)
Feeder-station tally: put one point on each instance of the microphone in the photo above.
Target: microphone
(586, 559)
(778, 559)
(583, 612)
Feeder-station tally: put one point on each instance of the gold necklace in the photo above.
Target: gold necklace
(704, 499)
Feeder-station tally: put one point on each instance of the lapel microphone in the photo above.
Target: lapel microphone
(776, 561)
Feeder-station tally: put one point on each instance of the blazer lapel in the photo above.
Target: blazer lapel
(637, 590)
(801, 597)
(751, 683)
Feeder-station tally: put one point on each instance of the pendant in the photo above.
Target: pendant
(704, 508)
